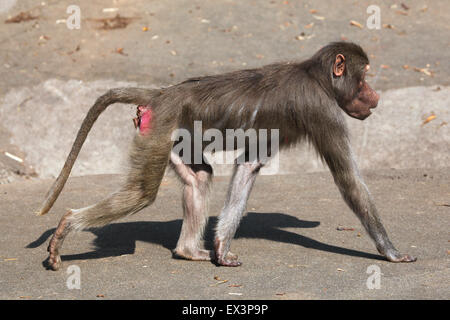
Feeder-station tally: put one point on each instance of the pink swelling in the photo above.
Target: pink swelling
(145, 117)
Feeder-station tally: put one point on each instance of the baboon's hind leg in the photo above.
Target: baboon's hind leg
(149, 157)
(119, 204)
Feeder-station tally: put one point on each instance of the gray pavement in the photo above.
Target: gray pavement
(51, 75)
(190, 38)
(288, 242)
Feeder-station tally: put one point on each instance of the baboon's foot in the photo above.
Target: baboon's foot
(53, 261)
(398, 257)
(227, 262)
(394, 256)
(231, 256)
(199, 255)
(224, 259)
(189, 254)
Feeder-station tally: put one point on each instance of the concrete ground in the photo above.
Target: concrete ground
(50, 75)
(288, 242)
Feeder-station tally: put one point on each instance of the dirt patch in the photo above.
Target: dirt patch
(21, 17)
(116, 22)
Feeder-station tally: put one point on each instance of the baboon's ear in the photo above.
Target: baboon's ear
(339, 65)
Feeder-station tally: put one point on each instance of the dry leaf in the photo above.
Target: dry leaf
(21, 17)
(424, 71)
(117, 22)
(388, 26)
(120, 51)
(220, 282)
(428, 119)
(356, 24)
(443, 204)
(303, 36)
(218, 279)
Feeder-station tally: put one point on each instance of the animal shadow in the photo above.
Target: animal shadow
(120, 238)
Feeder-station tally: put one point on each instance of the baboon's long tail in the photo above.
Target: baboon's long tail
(136, 96)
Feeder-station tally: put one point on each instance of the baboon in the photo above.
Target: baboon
(303, 100)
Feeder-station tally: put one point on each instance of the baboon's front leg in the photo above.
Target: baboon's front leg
(240, 187)
(356, 194)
